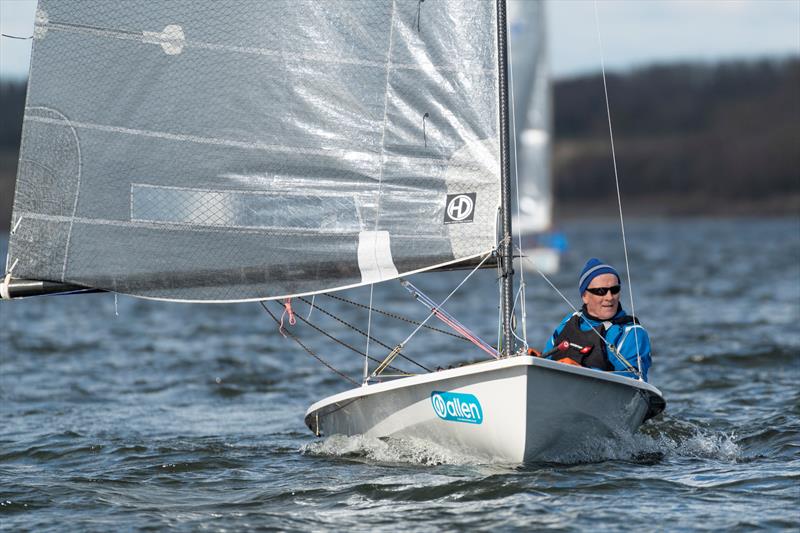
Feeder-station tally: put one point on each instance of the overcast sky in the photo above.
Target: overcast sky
(634, 32)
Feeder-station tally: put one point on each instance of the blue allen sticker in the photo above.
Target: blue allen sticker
(457, 407)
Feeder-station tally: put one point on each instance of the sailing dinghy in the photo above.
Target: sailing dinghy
(213, 151)
(513, 410)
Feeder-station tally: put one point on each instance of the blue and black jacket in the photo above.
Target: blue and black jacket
(622, 333)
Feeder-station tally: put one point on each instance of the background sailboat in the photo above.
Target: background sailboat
(532, 96)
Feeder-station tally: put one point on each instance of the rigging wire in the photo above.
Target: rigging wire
(524, 339)
(311, 307)
(610, 347)
(397, 317)
(307, 349)
(516, 185)
(441, 306)
(360, 332)
(380, 182)
(349, 347)
(16, 37)
(616, 180)
(448, 319)
(369, 328)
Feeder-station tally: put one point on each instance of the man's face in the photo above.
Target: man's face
(602, 307)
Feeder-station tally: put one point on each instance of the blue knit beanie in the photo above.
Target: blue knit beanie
(594, 267)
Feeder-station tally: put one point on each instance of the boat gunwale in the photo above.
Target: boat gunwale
(475, 368)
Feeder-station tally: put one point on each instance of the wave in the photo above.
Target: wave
(406, 450)
(669, 439)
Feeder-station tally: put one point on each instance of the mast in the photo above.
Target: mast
(506, 258)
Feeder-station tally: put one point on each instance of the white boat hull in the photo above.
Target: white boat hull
(509, 411)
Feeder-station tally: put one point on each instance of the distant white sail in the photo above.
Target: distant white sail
(225, 151)
(532, 109)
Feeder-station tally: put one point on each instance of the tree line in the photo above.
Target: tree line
(720, 132)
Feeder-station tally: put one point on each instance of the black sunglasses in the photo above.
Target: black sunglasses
(601, 291)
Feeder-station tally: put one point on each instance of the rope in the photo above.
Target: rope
(349, 347)
(385, 363)
(287, 309)
(523, 340)
(616, 180)
(398, 317)
(311, 308)
(323, 311)
(445, 317)
(15, 37)
(312, 354)
(441, 306)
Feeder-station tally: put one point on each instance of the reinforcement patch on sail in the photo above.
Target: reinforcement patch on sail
(228, 151)
(375, 257)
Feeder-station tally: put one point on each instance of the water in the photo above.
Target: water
(189, 416)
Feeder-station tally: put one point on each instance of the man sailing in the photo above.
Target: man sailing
(601, 335)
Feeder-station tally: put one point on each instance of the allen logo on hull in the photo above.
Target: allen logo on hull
(457, 407)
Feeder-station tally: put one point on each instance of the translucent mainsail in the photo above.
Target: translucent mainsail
(222, 151)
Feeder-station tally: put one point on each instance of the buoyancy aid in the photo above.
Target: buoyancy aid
(597, 355)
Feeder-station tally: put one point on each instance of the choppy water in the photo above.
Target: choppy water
(191, 416)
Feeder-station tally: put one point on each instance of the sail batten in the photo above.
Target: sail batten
(206, 151)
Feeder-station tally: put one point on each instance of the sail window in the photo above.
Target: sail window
(332, 213)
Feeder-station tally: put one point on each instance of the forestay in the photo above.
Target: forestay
(223, 151)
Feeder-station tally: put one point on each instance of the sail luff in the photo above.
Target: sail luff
(507, 296)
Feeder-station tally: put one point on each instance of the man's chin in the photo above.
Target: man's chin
(605, 314)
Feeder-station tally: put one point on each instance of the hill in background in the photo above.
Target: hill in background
(689, 139)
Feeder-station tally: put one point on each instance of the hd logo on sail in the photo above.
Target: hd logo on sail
(457, 407)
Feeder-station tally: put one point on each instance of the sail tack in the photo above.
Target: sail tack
(224, 151)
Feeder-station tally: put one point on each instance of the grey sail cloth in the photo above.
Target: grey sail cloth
(532, 111)
(227, 151)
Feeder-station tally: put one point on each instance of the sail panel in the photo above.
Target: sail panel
(210, 151)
